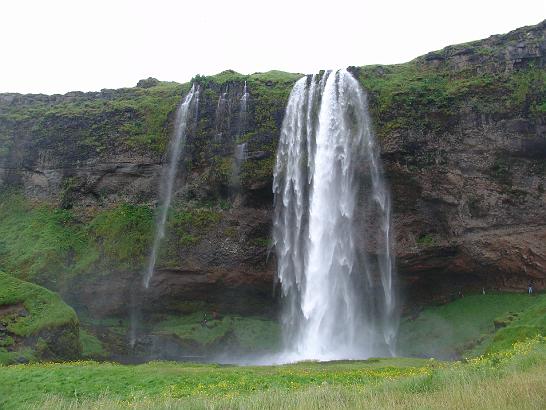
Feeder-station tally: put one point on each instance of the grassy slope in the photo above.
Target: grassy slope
(378, 383)
(45, 310)
(47, 245)
(528, 323)
(92, 347)
(250, 334)
(466, 326)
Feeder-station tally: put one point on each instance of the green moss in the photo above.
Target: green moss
(47, 245)
(189, 224)
(45, 309)
(418, 97)
(425, 240)
(529, 323)
(6, 341)
(91, 346)
(262, 242)
(121, 236)
(47, 326)
(23, 355)
(220, 171)
(501, 170)
(137, 117)
(38, 242)
(260, 171)
(194, 219)
(245, 333)
(186, 227)
(458, 327)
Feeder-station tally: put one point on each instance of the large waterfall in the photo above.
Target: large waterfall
(332, 230)
(166, 190)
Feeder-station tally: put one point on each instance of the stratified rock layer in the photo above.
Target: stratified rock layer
(463, 141)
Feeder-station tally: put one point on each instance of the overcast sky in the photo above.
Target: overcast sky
(58, 46)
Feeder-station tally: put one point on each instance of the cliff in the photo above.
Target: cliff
(462, 133)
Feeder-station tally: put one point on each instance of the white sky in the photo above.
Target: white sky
(58, 46)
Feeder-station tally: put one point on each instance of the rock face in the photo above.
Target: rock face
(470, 207)
(463, 137)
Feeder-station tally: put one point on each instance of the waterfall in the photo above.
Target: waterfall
(331, 229)
(221, 111)
(241, 129)
(240, 153)
(167, 183)
(238, 160)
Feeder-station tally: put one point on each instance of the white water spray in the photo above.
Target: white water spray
(240, 155)
(222, 111)
(177, 145)
(332, 226)
(243, 107)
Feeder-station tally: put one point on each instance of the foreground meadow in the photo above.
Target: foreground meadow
(512, 378)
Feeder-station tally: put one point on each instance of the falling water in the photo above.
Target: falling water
(241, 129)
(240, 153)
(221, 111)
(238, 160)
(332, 230)
(167, 183)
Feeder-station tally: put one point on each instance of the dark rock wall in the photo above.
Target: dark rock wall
(467, 172)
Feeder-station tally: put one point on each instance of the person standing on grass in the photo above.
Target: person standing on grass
(530, 287)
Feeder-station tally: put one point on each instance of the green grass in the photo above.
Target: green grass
(45, 309)
(48, 327)
(243, 333)
(377, 383)
(36, 241)
(11, 356)
(88, 379)
(464, 326)
(415, 96)
(91, 346)
(120, 237)
(529, 323)
(136, 117)
(50, 246)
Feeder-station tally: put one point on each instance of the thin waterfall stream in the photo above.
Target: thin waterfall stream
(167, 183)
(332, 229)
(176, 147)
(243, 108)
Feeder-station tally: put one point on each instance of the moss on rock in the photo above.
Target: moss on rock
(36, 322)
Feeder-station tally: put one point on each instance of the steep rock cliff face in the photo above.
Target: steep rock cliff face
(468, 178)
(463, 142)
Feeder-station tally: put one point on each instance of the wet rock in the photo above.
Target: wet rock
(468, 197)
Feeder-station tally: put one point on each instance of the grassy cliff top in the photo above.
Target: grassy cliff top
(499, 75)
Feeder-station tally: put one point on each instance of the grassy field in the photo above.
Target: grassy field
(249, 334)
(512, 378)
(509, 329)
(469, 326)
